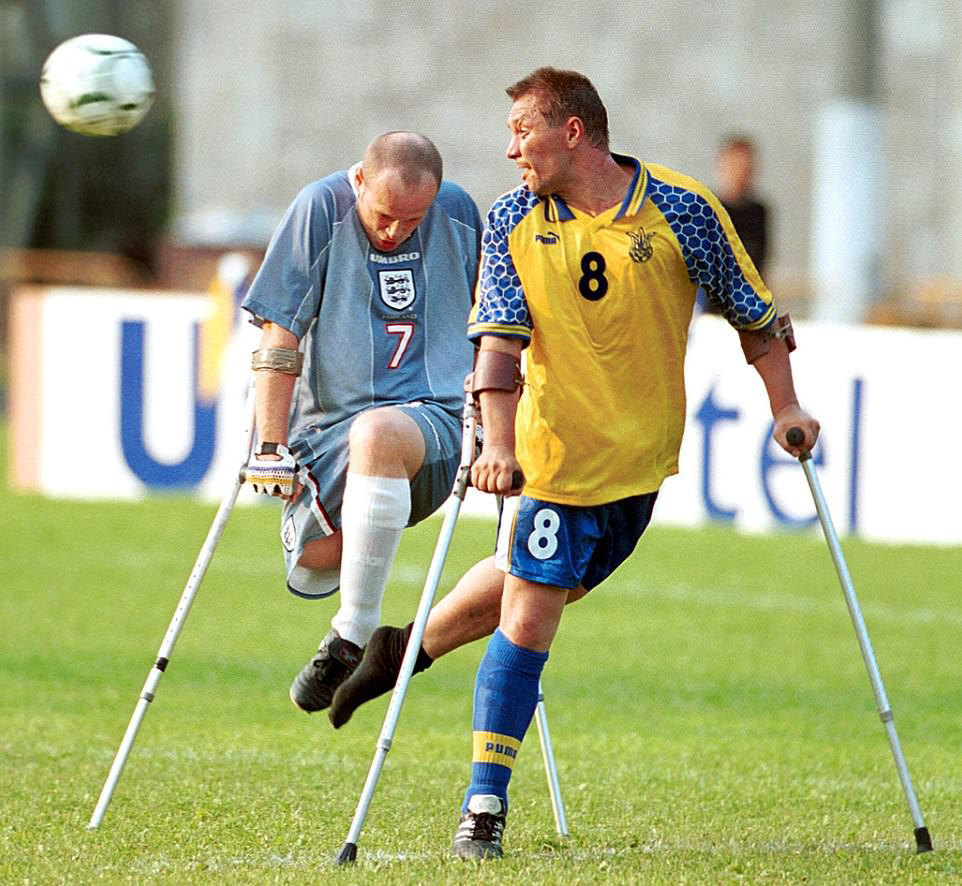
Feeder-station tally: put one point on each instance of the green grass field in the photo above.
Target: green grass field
(711, 715)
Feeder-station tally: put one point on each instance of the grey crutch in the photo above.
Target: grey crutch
(176, 623)
(923, 841)
(550, 767)
(348, 852)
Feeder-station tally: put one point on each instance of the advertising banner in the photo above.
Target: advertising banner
(116, 394)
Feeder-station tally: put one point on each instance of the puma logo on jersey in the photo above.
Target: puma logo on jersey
(548, 239)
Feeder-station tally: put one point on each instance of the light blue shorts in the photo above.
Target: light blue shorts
(316, 512)
(565, 546)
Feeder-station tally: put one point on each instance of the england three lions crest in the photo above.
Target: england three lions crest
(397, 288)
(641, 249)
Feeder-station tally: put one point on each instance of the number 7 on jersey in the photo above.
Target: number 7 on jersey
(404, 331)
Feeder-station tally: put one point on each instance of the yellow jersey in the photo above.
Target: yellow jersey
(603, 305)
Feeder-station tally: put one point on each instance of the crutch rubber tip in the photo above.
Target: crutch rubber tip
(923, 841)
(348, 854)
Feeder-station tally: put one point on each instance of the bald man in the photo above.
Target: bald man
(363, 299)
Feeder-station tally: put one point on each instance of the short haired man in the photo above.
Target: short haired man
(737, 166)
(592, 266)
(362, 296)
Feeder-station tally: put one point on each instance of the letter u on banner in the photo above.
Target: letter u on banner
(154, 474)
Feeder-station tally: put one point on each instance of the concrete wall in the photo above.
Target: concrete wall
(273, 94)
(922, 80)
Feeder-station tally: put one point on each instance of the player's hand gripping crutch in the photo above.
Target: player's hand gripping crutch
(177, 622)
(348, 853)
(923, 841)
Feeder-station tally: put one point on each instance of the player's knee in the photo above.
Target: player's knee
(386, 438)
(526, 630)
(375, 431)
(322, 553)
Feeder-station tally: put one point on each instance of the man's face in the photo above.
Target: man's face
(736, 171)
(390, 211)
(539, 150)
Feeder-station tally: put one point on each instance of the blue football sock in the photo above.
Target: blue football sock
(505, 696)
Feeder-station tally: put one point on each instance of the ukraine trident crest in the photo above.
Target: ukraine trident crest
(641, 249)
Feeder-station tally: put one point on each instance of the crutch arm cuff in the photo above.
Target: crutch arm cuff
(757, 342)
(495, 371)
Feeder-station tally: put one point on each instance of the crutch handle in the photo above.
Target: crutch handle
(796, 437)
(517, 480)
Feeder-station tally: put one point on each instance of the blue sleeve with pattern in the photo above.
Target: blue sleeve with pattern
(712, 256)
(502, 308)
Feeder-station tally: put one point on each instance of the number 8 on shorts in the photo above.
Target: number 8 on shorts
(534, 542)
(543, 540)
(567, 545)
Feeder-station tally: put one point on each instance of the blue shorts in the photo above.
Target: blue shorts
(566, 546)
(316, 512)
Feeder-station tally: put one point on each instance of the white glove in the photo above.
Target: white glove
(269, 476)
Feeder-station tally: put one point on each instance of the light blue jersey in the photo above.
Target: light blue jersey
(377, 329)
(381, 328)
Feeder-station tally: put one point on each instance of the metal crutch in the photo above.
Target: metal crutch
(923, 841)
(348, 852)
(550, 767)
(176, 624)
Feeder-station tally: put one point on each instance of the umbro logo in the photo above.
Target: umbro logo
(548, 239)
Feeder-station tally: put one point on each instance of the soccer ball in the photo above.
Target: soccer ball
(97, 84)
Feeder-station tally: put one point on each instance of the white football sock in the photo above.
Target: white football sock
(374, 512)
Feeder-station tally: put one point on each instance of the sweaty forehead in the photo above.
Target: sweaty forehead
(389, 195)
(525, 110)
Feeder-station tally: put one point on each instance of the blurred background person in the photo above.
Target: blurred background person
(736, 167)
